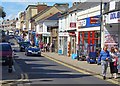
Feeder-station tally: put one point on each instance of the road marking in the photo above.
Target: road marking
(51, 73)
(26, 75)
(13, 67)
(79, 70)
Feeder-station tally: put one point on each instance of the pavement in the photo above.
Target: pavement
(93, 69)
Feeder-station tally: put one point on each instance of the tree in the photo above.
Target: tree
(3, 14)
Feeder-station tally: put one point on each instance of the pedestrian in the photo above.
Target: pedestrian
(104, 58)
(48, 47)
(51, 47)
(113, 63)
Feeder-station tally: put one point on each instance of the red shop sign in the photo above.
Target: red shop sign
(73, 25)
(72, 33)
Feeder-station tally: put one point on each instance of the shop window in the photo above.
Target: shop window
(48, 29)
(86, 35)
(97, 34)
(90, 34)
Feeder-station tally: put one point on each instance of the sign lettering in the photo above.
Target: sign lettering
(115, 15)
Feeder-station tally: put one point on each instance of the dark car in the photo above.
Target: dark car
(6, 55)
(19, 39)
(33, 51)
(24, 45)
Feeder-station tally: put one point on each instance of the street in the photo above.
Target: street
(40, 70)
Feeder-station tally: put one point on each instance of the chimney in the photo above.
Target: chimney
(41, 6)
(76, 3)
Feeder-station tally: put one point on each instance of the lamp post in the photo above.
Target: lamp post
(101, 23)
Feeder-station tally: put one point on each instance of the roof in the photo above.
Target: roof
(54, 17)
(42, 11)
(30, 6)
(80, 6)
(87, 5)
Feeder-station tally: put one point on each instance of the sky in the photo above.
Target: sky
(12, 8)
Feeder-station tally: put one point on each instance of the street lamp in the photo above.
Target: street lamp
(101, 17)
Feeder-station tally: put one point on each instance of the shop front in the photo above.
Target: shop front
(89, 34)
(72, 43)
(111, 29)
(63, 39)
(46, 38)
(89, 41)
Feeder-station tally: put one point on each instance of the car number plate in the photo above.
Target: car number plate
(35, 52)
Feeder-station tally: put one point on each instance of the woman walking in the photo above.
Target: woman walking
(104, 57)
(113, 63)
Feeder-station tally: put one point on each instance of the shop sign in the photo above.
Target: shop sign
(72, 25)
(114, 17)
(72, 34)
(94, 20)
(46, 34)
(82, 23)
(64, 34)
(89, 22)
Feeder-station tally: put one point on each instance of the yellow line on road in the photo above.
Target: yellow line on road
(79, 70)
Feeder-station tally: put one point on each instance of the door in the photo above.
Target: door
(65, 46)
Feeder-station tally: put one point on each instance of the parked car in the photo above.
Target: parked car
(6, 55)
(19, 39)
(33, 51)
(14, 44)
(24, 45)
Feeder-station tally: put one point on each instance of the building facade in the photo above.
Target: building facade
(47, 24)
(88, 27)
(111, 34)
(63, 34)
(67, 31)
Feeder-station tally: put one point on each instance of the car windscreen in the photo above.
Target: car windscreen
(5, 48)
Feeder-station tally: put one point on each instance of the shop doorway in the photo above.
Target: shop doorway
(65, 46)
(73, 44)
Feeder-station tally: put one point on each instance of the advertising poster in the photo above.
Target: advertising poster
(111, 39)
